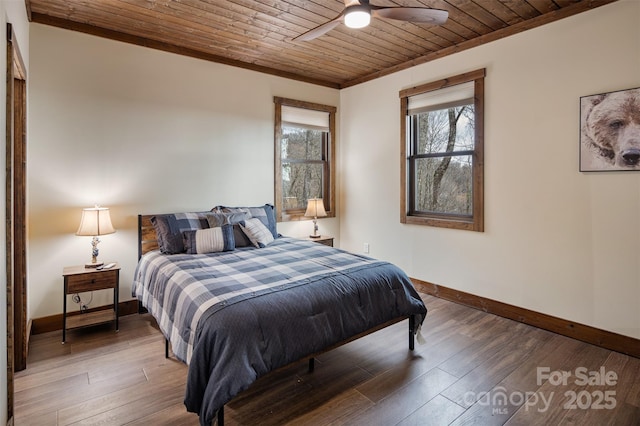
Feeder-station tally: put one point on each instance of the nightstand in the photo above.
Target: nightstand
(327, 241)
(78, 279)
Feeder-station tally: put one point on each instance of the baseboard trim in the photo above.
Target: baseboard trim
(54, 322)
(585, 333)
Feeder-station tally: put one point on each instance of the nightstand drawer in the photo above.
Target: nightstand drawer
(92, 281)
(324, 239)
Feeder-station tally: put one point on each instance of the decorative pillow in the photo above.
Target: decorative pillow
(169, 240)
(169, 229)
(266, 214)
(255, 230)
(241, 238)
(219, 219)
(209, 240)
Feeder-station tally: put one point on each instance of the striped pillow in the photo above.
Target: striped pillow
(209, 240)
(255, 230)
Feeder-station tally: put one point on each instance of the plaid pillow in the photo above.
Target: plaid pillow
(266, 214)
(219, 219)
(169, 229)
(255, 230)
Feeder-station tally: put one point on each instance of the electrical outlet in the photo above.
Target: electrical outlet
(366, 248)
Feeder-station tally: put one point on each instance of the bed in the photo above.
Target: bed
(236, 314)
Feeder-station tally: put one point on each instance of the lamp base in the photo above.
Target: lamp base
(315, 236)
(93, 265)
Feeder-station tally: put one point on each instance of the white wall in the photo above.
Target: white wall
(143, 131)
(556, 240)
(139, 131)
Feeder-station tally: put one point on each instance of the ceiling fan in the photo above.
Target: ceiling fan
(358, 14)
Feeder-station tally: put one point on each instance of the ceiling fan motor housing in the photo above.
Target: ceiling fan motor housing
(357, 16)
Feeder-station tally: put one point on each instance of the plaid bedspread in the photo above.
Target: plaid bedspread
(331, 295)
(178, 289)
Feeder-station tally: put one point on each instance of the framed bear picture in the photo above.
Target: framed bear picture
(610, 131)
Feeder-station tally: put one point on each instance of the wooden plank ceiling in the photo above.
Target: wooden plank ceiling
(257, 34)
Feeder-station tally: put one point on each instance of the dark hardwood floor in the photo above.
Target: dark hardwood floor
(475, 368)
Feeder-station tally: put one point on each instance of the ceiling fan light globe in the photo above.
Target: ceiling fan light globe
(357, 18)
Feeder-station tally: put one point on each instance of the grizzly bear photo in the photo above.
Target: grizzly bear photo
(610, 131)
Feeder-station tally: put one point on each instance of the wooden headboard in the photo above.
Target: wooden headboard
(147, 239)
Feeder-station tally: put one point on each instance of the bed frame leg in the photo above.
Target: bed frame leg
(141, 309)
(312, 364)
(166, 348)
(221, 416)
(412, 326)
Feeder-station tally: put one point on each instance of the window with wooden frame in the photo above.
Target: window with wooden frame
(304, 157)
(442, 150)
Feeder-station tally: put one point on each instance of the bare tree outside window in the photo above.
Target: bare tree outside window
(302, 165)
(443, 176)
(304, 157)
(442, 153)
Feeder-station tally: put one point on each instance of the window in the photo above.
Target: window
(304, 157)
(442, 153)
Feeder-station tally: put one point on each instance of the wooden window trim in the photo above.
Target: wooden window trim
(329, 198)
(476, 222)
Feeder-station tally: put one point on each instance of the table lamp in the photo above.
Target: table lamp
(315, 209)
(95, 221)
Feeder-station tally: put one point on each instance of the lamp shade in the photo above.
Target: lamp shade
(95, 221)
(315, 208)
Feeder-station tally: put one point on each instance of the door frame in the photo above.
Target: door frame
(15, 205)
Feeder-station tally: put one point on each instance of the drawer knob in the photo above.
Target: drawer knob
(93, 281)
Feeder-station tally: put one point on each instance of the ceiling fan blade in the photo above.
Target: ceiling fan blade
(320, 29)
(411, 14)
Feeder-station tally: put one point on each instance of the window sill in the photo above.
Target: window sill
(452, 223)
